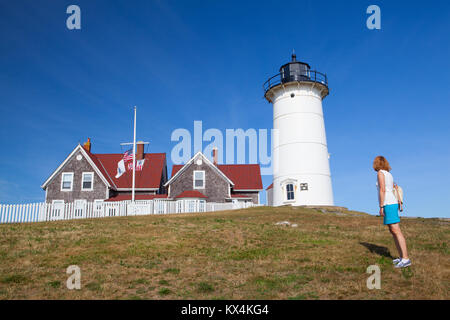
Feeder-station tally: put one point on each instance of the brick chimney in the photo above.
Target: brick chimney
(87, 145)
(139, 150)
(215, 156)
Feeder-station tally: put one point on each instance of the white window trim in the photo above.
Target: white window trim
(79, 201)
(92, 182)
(284, 188)
(286, 192)
(53, 202)
(204, 179)
(98, 202)
(62, 180)
(80, 207)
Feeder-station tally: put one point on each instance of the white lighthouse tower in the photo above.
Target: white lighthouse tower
(301, 170)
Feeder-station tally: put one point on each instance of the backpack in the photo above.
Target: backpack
(398, 193)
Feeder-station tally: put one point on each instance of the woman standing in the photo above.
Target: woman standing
(389, 207)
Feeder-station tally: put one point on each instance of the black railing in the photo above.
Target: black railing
(310, 76)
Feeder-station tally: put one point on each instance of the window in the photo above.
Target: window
(80, 208)
(290, 191)
(191, 205)
(202, 206)
(57, 209)
(98, 207)
(87, 181)
(67, 181)
(98, 204)
(303, 187)
(199, 179)
(180, 206)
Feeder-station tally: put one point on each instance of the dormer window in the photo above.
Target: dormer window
(199, 179)
(67, 181)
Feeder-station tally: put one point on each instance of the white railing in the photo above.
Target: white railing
(36, 212)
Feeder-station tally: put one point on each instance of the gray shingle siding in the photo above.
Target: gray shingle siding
(216, 187)
(77, 167)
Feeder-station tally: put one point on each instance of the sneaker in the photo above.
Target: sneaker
(395, 261)
(403, 264)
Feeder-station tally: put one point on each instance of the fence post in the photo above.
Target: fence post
(19, 213)
(15, 213)
(11, 213)
(39, 211)
(45, 208)
(32, 212)
(24, 213)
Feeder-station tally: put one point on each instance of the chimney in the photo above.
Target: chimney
(215, 155)
(139, 150)
(87, 145)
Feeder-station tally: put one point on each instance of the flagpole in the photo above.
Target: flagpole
(134, 157)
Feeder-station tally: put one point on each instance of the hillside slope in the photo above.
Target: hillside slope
(224, 255)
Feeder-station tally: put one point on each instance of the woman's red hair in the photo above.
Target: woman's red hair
(380, 163)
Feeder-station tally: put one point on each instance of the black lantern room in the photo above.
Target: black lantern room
(296, 71)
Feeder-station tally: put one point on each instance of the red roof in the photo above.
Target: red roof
(176, 168)
(149, 177)
(244, 176)
(124, 197)
(270, 187)
(191, 194)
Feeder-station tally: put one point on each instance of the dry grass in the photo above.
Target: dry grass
(223, 255)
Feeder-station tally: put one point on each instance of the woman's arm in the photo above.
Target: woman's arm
(382, 191)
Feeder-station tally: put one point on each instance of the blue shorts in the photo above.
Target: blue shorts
(391, 214)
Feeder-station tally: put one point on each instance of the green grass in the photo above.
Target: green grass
(14, 278)
(164, 291)
(205, 287)
(224, 255)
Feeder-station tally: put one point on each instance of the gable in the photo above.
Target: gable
(73, 156)
(105, 166)
(194, 159)
(216, 187)
(244, 176)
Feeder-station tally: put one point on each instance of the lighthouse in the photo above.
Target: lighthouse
(301, 170)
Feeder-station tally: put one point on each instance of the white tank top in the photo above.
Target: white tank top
(389, 197)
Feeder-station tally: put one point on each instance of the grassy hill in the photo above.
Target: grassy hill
(224, 255)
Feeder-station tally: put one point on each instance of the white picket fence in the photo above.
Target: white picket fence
(37, 212)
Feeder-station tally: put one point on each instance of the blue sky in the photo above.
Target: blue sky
(181, 61)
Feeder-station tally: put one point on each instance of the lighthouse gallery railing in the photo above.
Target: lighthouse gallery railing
(309, 76)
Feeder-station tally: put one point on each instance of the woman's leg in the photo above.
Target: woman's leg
(399, 239)
(397, 245)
